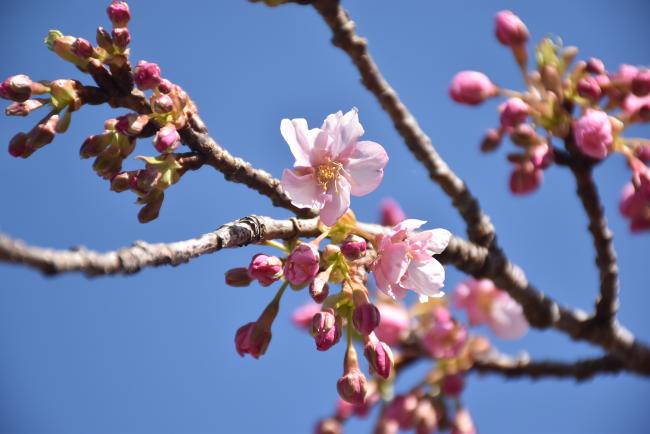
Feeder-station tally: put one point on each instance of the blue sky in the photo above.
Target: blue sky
(154, 353)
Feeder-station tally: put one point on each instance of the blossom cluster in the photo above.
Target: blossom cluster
(164, 115)
(580, 103)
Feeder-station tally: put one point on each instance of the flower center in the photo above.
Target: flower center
(328, 172)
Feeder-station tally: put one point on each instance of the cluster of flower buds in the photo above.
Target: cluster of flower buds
(579, 103)
(63, 95)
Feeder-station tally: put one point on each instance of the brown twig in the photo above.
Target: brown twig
(479, 228)
(523, 367)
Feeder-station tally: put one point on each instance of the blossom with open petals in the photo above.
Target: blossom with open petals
(331, 163)
(487, 304)
(404, 260)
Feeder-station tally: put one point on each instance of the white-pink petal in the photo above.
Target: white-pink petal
(302, 188)
(366, 167)
(344, 129)
(337, 202)
(507, 319)
(426, 277)
(299, 138)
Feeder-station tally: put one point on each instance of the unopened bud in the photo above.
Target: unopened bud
(512, 113)
(121, 37)
(595, 66)
(43, 133)
(326, 328)
(354, 247)
(319, 287)
(17, 146)
(121, 182)
(491, 140)
(379, 356)
(302, 264)
(146, 75)
(471, 87)
(238, 277)
(329, 426)
(265, 269)
(16, 88)
(167, 139)
(131, 125)
(510, 30)
(391, 213)
(151, 210)
(162, 103)
(94, 145)
(589, 88)
(352, 386)
(641, 83)
(524, 135)
(119, 14)
(366, 318)
(82, 48)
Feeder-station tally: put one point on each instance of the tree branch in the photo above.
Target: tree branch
(479, 227)
(607, 302)
(129, 260)
(580, 370)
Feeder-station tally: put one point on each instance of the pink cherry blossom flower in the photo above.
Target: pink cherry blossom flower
(446, 338)
(509, 29)
(404, 260)
(635, 203)
(331, 163)
(487, 304)
(593, 134)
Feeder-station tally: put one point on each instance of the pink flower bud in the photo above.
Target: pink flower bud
(252, 338)
(162, 103)
(302, 264)
(146, 75)
(94, 145)
(303, 315)
(165, 86)
(637, 107)
(352, 386)
(167, 139)
(366, 318)
(354, 247)
(491, 140)
(593, 134)
(16, 88)
(452, 385)
(18, 146)
(635, 204)
(643, 153)
(326, 329)
(463, 423)
(43, 133)
(121, 37)
(510, 30)
(319, 289)
(82, 48)
(401, 410)
(329, 426)
(595, 66)
(131, 125)
(119, 14)
(471, 87)
(512, 113)
(624, 76)
(238, 277)
(589, 88)
(524, 135)
(391, 213)
(379, 356)
(265, 269)
(525, 178)
(641, 83)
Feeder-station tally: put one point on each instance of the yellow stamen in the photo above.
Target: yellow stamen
(328, 172)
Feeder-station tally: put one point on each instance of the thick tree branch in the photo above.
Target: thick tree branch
(479, 227)
(140, 255)
(541, 311)
(523, 367)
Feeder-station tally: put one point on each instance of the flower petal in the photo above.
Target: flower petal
(344, 129)
(337, 203)
(302, 188)
(366, 167)
(438, 240)
(299, 138)
(507, 319)
(425, 277)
